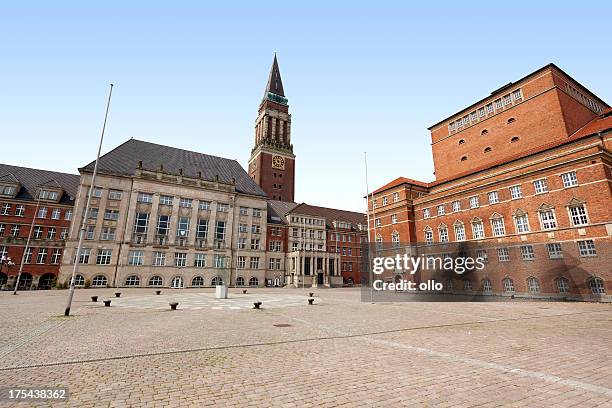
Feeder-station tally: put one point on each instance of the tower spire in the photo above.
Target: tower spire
(275, 84)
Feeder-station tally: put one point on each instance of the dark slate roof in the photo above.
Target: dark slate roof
(31, 179)
(331, 214)
(279, 209)
(123, 160)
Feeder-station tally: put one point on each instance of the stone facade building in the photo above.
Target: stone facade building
(47, 198)
(523, 180)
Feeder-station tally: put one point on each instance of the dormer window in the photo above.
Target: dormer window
(49, 195)
(7, 190)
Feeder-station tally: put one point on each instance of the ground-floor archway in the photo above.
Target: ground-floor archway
(46, 281)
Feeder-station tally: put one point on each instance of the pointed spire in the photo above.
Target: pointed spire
(275, 84)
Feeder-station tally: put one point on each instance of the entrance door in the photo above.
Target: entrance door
(320, 278)
(177, 282)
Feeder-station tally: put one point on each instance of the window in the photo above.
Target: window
(182, 228)
(163, 225)
(2, 228)
(253, 281)
(517, 94)
(42, 212)
(522, 223)
(7, 190)
(503, 255)
(441, 209)
(498, 104)
(254, 262)
(141, 223)
(275, 264)
(587, 248)
(42, 256)
(197, 281)
(241, 262)
(508, 285)
(97, 192)
(443, 234)
(464, 158)
(165, 200)
(220, 230)
(56, 214)
(482, 254)
(493, 197)
(597, 286)
(244, 211)
(533, 284)
(394, 219)
(514, 139)
(510, 120)
(103, 257)
(396, 197)
(115, 194)
(467, 284)
(159, 259)
(79, 280)
(28, 255)
(15, 230)
(6, 209)
(135, 258)
(578, 215)
(275, 246)
(456, 206)
(487, 150)
(481, 112)
(199, 260)
(68, 215)
(99, 280)
(473, 116)
(180, 259)
(204, 205)
(51, 231)
(254, 244)
(547, 217)
(459, 232)
(474, 202)
(242, 243)
(155, 281)
(256, 229)
(540, 186)
(527, 253)
(569, 179)
(507, 99)
(395, 239)
(111, 215)
(256, 212)
(486, 285)
(216, 281)
(489, 108)
(145, 198)
(185, 202)
(562, 285)
(38, 232)
(377, 222)
(384, 201)
(426, 213)
(515, 192)
(428, 236)
(84, 255)
(56, 256)
(132, 280)
(108, 234)
(202, 231)
(20, 211)
(554, 250)
(222, 207)
(478, 229)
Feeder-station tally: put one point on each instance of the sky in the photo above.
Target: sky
(360, 77)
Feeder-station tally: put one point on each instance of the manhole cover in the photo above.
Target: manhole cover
(281, 325)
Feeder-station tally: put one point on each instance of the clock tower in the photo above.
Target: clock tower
(272, 162)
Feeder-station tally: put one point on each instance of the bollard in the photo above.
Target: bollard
(256, 305)
(158, 292)
(311, 294)
(94, 298)
(117, 294)
(173, 305)
(107, 303)
(244, 291)
(310, 301)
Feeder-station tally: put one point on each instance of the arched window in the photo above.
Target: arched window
(562, 285)
(197, 281)
(484, 132)
(132, 280)
(217, 281)
(533, 284)
(350, 281)
(487, 150)
(99, 280)
(464, 158)
(46, 281)
(428, 236)
(395, 238)
(155, 281)
(461, 141)
(511, 120)
(25, 282)
(514, 139)
(240, 281)
(467, 284)
(379, 241)
(443, 232)
(508, 285)
(3, 278)
(253, 281)
(487, 287)
(597, 286)
(79, 280)
(177, 282)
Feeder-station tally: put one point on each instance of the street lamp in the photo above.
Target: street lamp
(6, 260)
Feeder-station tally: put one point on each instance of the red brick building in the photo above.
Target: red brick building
(20, 191)
(523, 179)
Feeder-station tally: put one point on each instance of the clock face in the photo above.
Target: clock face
(278, 162)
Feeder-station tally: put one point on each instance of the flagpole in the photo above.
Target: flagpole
(365, 158)
(86, 213)
(25, 250)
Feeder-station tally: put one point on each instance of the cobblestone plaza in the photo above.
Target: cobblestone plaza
(338, 352)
